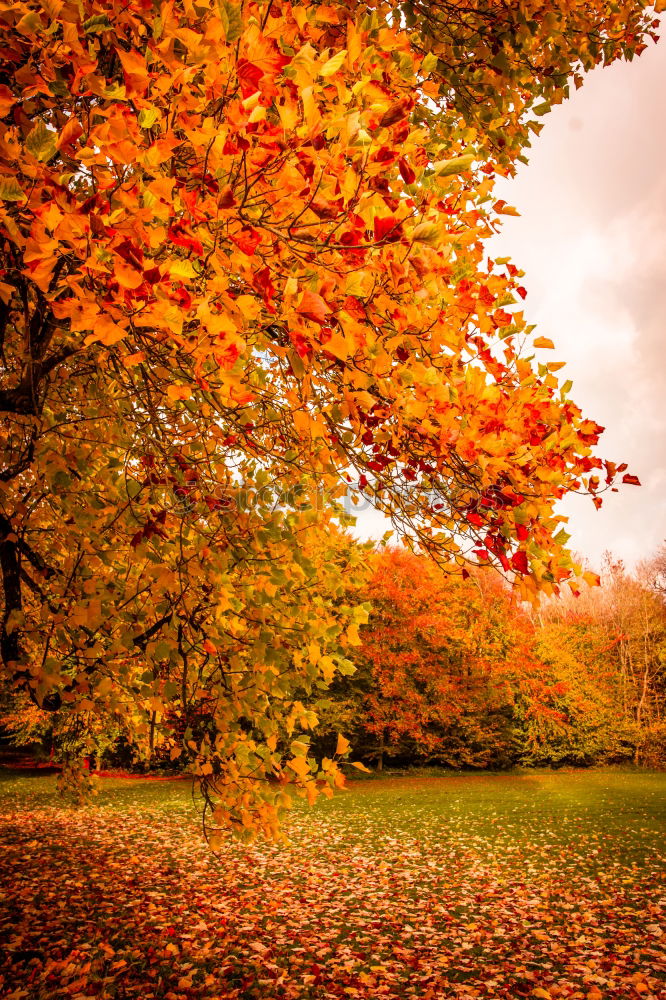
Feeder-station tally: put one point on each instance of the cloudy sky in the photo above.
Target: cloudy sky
(592, 240)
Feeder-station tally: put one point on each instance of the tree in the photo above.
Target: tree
(605, 652)
(243, 266)
(435, 662)
(577, 720)
(447, 671)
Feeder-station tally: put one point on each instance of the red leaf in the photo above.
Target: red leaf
(406, 171)
(631, 480)
(519, 562)
(397, 111)
(303, 347)
(247, 240)
(249, 76)
(264, 285)
(387, 229)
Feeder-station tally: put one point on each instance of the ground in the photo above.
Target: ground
(525, 885)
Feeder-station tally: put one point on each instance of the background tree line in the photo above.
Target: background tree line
(452, 671)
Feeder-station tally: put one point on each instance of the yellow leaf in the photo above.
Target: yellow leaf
(360, 767)
(181, 269)
(342, 746)
(338, 346)
(300, 766)
(249, 305)
(176, 392)
(333, 64)
(544, 342)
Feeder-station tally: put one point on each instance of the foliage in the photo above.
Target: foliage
(606, 650)
(478, 886)
(455, 672)
(243, 265)
(580, 725)
(439, 656)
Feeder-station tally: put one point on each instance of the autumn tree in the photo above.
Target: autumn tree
(435, 657)
(578, 722)
(448, 671)
(242, 267)
(606, 649)
(456, 672)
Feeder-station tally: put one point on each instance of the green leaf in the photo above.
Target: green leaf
(41, 142)
(232, 21)
(11, 190)
(428, 64)
(96, 24)
(427, 232)
(346, 667)
(133, 488)
(456, 165)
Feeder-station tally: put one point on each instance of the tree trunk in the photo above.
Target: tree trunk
(151, 739)
(380, 755)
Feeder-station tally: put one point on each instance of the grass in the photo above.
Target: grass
(543, 884)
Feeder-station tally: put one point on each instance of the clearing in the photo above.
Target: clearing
(537, 884)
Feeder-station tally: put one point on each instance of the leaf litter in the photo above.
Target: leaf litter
(396, 889)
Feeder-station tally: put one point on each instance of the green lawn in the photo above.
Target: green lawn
(534, 884)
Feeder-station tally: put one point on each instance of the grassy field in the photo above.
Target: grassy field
(537, 884)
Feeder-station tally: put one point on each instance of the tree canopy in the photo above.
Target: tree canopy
(244, 270)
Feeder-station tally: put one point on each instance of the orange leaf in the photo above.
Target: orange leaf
(313, 307)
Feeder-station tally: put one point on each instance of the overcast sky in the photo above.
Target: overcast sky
(592, 240)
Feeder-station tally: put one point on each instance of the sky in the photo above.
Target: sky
(591, 238)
